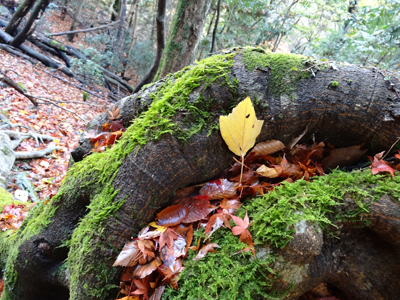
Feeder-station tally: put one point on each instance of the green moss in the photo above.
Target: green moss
(228, 275)
(225, 274)
(334, 83)
(286, 69)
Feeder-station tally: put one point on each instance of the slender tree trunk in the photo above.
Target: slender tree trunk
(182, 43)
(160, 46)
(215, 27)
(118, 38)
(133, 34)
(17, 17)
(75, 19)
(208, 32)
(31, 23)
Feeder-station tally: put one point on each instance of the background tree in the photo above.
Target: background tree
(187, 27)
(75, 19)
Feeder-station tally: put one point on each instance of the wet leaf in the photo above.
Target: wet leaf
(172, 215)
(220, 188)
(267, 172)
(198, 208)
(128, 255)
(342, 157)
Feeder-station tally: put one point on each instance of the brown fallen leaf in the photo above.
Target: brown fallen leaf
(266, 148)
(205, 249)
(342, 157)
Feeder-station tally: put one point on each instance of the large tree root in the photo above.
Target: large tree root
(107, 198)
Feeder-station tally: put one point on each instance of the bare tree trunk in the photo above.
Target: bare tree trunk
(31, 23)
(75, 19)
(160, 46)
(215, 27)
(17, 17)
(182, 43)
(115, 9)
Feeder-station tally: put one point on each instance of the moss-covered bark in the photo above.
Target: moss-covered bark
(67, 247)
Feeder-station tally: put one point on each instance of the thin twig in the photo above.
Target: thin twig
(59, 106)
(398, 139)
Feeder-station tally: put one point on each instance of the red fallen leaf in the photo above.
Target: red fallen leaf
(145, 270)
(116, 126)
(172, 215)
(230, 206)
(142, 287)
(241, 228)
(205, 249)
(198, 208)
(98, 138)
(398, 155)
(379, 165)
(220, 188)
(112, 138)
(216, 221)
(168, 237)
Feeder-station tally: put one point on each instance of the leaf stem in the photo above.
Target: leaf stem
(241, 169)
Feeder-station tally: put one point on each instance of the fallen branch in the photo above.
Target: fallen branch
(13, 50)
(16, 86)
(18, 137)
(43, 59)
(35, 154)
(84, 30)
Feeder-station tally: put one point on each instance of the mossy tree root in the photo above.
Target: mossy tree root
(69, 244)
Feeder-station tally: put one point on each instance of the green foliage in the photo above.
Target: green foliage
(89, 69)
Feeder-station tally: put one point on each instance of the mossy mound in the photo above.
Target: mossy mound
(230, 275)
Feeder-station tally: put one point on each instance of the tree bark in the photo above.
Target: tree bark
(160, 46)
(187, 27)
(96, 211)
(75, 19)
(18, 16)
(31, 23)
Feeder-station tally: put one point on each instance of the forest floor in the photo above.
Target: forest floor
(46, 173)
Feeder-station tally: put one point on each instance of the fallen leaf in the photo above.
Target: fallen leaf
(220, 188)
(240, 128)
(241, 228)
(266, 148)
(172, 215)
(145, 270)
(267, 172)
(205, 249)
(128, 255)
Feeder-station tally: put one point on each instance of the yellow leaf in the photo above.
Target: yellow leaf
(158, 228)
(240, 128)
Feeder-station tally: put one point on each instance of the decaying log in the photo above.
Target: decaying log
(108, 197)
